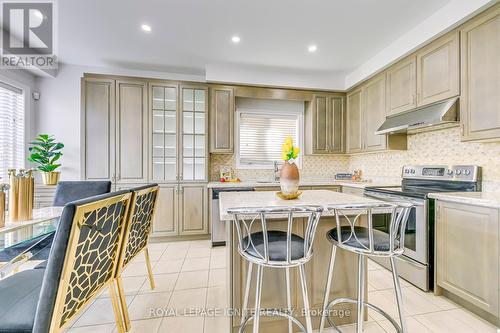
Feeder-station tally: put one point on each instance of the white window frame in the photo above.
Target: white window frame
(270, 166)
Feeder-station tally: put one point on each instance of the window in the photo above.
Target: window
(260, 134)
(11, 129)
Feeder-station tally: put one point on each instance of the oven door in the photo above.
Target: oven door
(416, 232)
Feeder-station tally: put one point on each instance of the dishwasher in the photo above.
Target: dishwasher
(218, 226)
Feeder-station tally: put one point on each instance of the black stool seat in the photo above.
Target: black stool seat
(276, 244)
(361, 241)
(19, 296)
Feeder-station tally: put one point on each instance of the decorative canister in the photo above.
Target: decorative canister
(3, 189)
(289, 178)
(21, 195)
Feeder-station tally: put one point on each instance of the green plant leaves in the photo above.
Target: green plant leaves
(45, 151)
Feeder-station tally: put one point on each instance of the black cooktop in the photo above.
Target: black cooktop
(417, 188)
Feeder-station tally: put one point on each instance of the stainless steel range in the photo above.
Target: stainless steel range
(417, 264)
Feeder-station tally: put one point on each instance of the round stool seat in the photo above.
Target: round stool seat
(360, 238)
(276, 245)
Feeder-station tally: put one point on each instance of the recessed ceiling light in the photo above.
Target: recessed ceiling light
(312, 48)
(146, 27)
(235, 39)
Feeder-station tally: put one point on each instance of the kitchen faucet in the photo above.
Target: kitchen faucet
(276, 172)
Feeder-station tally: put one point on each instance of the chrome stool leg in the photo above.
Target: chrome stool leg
(305, 298)
(288, 299)
(244, 308)
(258, 292)
(361, 294)
(324, 314)
(399, 296)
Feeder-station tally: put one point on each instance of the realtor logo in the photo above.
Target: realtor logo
(28, 34)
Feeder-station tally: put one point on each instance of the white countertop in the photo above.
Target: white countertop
(485, 199)
(305, 182)
(39, 215)
(321, 198)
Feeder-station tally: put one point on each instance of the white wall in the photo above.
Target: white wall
(58, 110)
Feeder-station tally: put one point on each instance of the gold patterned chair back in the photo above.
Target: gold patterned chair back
(93, 239)
(140, 222)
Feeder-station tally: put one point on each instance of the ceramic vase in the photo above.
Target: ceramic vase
(289, 178)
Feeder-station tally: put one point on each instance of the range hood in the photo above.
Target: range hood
(431, 115)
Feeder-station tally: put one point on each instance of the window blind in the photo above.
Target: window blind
(261, 136)
(11, 129)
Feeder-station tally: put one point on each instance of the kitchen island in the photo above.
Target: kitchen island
(274, 292)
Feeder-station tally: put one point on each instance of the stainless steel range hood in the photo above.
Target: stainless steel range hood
(431, 115)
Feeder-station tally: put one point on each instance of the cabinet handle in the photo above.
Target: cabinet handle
(113, 178)
(118, 178)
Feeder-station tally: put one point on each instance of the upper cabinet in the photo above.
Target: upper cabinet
(115, 130)
(438, 69)
(221, 119)
(401, 87)
(131, 131)
(480, 77)
(354, 122)
(325, 120)
(374, 113)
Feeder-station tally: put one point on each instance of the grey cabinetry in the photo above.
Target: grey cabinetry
(98, 127)
(374, 113)
(401, 86)
(193, 209)
(131, 132)
(114, 129)
(480, 77)
(325, 119)
(221, 119)
(165, 220)
(354, 122)
(467, 254)
(438, 69)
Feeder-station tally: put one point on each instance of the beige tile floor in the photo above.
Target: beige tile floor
(193, 275)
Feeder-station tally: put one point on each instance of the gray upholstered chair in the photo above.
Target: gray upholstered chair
(82, 262)
(136, 239)
(68, 191)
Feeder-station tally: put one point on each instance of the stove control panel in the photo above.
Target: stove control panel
(469, 173)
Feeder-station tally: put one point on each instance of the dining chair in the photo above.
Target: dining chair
(136, 238)
(82, 263)
(67, 191)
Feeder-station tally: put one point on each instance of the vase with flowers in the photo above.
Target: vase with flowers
(289, 175)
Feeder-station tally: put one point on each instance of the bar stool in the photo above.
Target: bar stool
(366, 241)
(275, 249)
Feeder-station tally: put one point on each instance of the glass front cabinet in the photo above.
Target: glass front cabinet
(178, 157)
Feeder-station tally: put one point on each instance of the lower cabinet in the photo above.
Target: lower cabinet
(467, 254)
(182, 210)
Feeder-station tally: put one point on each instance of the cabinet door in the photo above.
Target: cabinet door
(401, 87)
(467, 253)
(374, 113)
(321, 125)
(165, 219)
(194, 134)
(437, 70)
(131, 132)
(480, 54)
(221, 120)
(193, 207)
(163, 128)
(354, 128)
(98, 111)
(337, 124)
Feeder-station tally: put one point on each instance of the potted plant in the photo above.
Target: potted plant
(45, 151)
(289, 176)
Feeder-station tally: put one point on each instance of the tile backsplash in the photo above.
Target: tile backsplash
(434, 147)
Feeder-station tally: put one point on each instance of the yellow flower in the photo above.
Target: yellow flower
(289, 141)
(296, 151)
(284, 156)
(286, 148)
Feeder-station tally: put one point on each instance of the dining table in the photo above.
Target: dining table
(20, 240)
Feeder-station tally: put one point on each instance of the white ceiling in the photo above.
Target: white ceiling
(188, 36)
